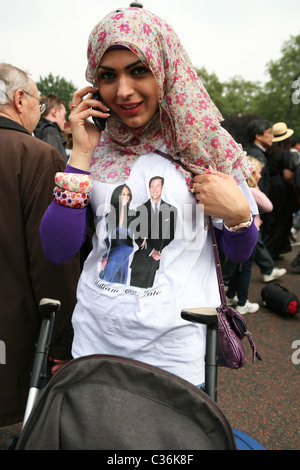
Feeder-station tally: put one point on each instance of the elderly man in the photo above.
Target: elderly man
(27, 167)
(52, 123)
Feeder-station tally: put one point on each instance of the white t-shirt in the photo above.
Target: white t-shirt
(144, 323)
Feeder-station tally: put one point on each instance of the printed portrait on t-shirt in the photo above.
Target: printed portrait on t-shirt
(155, 225)
(147, 231)
(119, 240)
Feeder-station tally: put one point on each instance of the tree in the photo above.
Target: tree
(213, 86)
(239, 96)
(58, 86)
(276, 99)
(233, 97)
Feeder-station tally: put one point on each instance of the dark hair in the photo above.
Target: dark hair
(281, 145)
(257, 126)
(113, 215)
(294, 141)
(157, 178)
(52, 101)
(115, 197)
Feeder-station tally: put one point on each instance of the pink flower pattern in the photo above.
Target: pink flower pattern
(124, 28)
(215, 143)
(189, 118)
(181, 98)
(146, 29)
(102, 36)
(188, 122)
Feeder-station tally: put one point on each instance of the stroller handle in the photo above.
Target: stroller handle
(38, 378)
(207, 316)
(47, 306)
(47, 309)
(204, 315)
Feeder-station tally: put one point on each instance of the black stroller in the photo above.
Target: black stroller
(107, 402)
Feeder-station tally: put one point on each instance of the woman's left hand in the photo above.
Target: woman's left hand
(221, 197)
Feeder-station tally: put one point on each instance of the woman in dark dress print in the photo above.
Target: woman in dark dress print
(114, 265)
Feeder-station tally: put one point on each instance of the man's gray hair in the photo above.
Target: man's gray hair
(11, 79)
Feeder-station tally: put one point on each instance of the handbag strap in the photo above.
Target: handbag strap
(212, 230)
(217, 263)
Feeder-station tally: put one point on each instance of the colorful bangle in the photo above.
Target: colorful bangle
(67, 198)
(74, 182)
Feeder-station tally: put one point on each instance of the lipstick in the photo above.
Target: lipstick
(130, 109)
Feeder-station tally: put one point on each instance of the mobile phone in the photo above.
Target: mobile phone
(100, 122)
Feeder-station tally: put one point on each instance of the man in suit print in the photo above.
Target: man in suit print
(156, 231)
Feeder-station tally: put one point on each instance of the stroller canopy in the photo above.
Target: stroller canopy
(108, 402)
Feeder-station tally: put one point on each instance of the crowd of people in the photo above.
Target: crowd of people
(146, 181)
(274, 154)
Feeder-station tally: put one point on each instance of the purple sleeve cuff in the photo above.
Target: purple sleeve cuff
(72, 169)
(237, 246)
(63, 229)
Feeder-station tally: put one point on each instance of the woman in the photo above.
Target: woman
(114, 264)
(240, 278)
(262, 201)
(154, 101)
(277, 224)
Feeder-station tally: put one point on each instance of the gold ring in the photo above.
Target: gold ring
(72, 105)
(194, 188)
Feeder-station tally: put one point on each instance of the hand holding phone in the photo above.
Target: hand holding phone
(100, 122)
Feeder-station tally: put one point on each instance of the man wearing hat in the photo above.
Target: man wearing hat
(260, 137)
(278, 223)
(281, 132)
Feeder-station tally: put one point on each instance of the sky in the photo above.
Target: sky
(229, 38)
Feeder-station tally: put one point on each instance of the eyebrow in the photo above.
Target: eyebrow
(126, 68)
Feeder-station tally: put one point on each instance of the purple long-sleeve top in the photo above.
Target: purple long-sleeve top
(63, 231)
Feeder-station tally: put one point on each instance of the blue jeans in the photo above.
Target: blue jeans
(262, 257)
(240, 280)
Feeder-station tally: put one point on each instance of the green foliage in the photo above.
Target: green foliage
(236, 97)
(279, 89)
(214, 87)
(272, 100)
(58, 86)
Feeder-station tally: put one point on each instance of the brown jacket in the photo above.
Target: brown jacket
(27, 169)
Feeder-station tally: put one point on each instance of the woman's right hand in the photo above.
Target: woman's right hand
(85, 134)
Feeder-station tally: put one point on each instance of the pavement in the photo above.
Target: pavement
(261, 399)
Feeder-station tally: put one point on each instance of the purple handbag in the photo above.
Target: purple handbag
(232, 328)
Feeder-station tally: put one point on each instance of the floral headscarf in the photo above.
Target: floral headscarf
(188, 122)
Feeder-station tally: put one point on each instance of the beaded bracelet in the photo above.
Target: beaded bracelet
(74, 182)
(72, 199)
